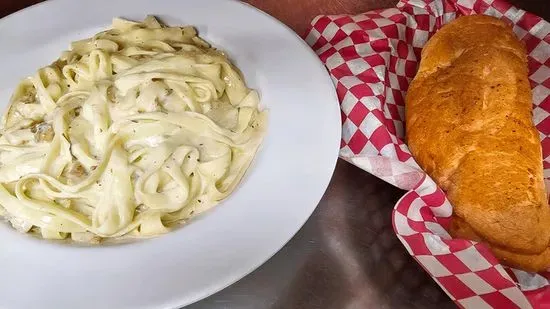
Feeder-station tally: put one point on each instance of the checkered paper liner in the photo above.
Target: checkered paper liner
(372, 58)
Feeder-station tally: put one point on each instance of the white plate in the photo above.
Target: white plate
(283, 187)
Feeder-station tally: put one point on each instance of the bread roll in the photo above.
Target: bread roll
(530, 262)
(469, 126)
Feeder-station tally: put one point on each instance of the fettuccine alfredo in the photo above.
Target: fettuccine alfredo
(126, 134)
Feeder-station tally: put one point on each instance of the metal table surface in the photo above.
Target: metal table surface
(346, 256)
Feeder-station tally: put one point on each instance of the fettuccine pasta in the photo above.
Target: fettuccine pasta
(126, 134)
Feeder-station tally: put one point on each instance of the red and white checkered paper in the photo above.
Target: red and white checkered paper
(372, 57)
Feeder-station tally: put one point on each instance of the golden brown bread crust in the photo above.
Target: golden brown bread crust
(536, 262)
(468, 123)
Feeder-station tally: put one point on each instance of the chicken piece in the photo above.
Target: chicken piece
(75, 172)
(43, 132)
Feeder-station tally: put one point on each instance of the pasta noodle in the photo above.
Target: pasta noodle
(126, 134)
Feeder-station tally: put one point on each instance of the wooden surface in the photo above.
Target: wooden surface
(346, 255)
(298, 13)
